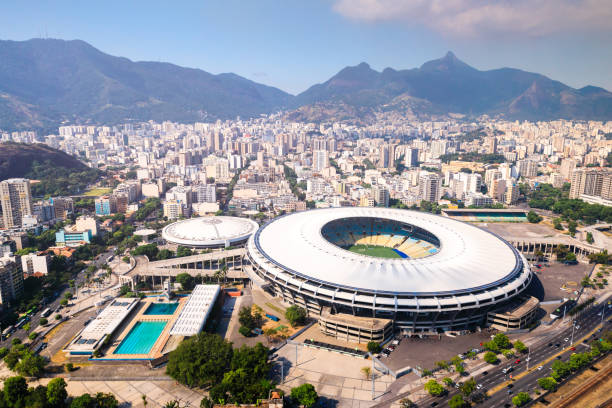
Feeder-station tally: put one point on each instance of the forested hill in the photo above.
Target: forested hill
(58, 172)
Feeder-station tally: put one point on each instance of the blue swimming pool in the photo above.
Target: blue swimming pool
(161, 308)
(141, 338)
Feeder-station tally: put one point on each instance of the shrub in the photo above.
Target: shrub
(43, 321)
(69, 367)
(245, 331)
(374, 347)
(305, 395)
(434, 388)
(490, 357)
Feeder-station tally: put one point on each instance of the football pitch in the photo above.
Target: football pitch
(373, 250)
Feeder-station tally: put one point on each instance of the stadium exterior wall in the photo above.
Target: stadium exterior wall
(410, 313)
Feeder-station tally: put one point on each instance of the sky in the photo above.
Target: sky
(295, 44)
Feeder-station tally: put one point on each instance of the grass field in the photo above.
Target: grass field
(96, 192)
(376, 251)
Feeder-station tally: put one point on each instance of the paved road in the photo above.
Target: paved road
(54, 305)
(542, 350)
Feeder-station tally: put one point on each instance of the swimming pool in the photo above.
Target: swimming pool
(161, 308)
(141, 338)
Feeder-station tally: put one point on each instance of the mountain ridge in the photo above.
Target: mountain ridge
(47, 82)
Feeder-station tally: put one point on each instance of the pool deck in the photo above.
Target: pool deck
(159, 347)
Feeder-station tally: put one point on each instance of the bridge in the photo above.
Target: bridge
(201, 265)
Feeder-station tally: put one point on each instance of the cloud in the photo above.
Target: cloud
(472, 18)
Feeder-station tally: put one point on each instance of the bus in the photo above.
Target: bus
(7, 332)
(21, 322)
(46, 312)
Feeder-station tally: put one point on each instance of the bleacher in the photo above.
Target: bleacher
(413, 244)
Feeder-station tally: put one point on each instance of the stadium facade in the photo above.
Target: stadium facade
(366, 272)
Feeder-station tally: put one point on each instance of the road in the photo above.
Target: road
(54, 305)
(539, 352)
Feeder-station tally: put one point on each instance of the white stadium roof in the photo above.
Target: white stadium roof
(469, 258)
(209, 231)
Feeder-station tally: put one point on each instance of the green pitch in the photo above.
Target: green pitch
(376, 251)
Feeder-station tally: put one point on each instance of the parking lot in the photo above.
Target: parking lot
(557, 280)
(425, 352)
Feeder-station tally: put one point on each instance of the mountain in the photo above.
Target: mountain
(58, 172)
(44, 82)
(450, 86)
(17, 159)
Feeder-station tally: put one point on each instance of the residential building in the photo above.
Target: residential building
(72, 237)
(35, 264)
(106, 205)
(430, 187)
(15, 202)
(11, 281)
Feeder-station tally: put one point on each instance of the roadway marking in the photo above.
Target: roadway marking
(541, 363)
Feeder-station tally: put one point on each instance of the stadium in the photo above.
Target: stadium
(368, 272)
(209, 232)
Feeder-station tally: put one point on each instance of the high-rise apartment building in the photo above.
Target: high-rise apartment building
(320, 160)
(411, 157)
(381, 196)
(15, 202)
(11, 281)
(430, 187)
(586, 182)
(527, 168)
(387, 156)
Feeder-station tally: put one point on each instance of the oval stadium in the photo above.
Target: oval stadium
(367, 272)
(210, 232)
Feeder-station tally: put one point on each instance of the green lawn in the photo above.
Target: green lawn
(96, 192)
(376, 251)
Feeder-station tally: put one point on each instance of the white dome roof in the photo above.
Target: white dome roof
(209, 231)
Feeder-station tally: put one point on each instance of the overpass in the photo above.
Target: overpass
(200, 265)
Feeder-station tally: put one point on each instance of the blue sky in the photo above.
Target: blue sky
(295, 44)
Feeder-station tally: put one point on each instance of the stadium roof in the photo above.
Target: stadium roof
(470, 258)
(209, 231)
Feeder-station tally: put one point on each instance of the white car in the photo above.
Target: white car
(566, 339)
(479, 386)
(540, 368)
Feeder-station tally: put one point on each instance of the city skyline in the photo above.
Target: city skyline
(294, 46)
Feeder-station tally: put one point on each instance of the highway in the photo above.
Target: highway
(544, 349)
(54, 305)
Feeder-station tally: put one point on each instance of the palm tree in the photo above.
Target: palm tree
(144, 400)
(367, 372)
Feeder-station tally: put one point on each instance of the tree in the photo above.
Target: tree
(366, 371)
(502, 341)
(15, 391)
(186, 280)
(374, 347)
(448, 381)
(83, 401)
(520, 346)
(407, 403)
(245, 331)
(43, 321)
(200, 361)
(31, 365)
(589, 237)
(206, 402)
(508, 353)
(305, 395)
(457, 402)
(56, 392)
(246, 319)
(442, 364)
(491, 346)
(468, 387)
(296, 315)
(571, 227)
(490, 357)
(64, 302)
(434, 388)
(521, 399)
(533, 217)
(570, 257)
(557, 224)
(548, 383)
